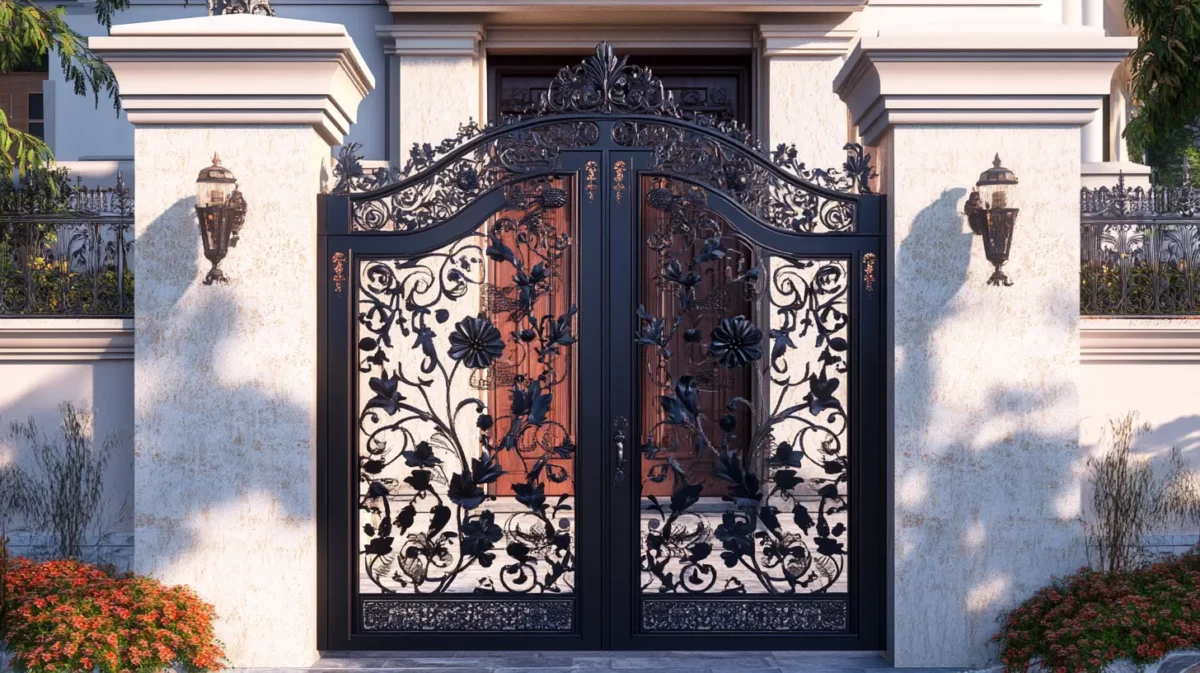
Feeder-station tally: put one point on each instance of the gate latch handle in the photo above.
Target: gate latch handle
(619, 438)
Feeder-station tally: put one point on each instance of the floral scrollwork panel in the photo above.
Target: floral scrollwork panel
(744, 434)
(466, 430)
(786, 204)
(435, 196)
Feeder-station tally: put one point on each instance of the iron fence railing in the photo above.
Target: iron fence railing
(65, 249)
(1140, 251)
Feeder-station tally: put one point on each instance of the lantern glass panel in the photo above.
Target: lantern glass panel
(1000, 196)
(210, 194)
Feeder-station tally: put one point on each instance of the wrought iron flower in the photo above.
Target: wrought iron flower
(475, 342)
(467, 179)
(674, 272)
(660, 198)
(736, 342)
(736, 179)
(553, 197)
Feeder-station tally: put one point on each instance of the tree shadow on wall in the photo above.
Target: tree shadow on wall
(225, 442)
(984, 481)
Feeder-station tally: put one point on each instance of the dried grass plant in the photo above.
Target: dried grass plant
(64, 491)
(1130, 502)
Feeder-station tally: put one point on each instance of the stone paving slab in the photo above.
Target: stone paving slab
(597, 662)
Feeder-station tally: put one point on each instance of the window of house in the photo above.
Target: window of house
(37, 115)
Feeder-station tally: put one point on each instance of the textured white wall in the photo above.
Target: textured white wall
(986, 414)
(81, 130)
(804, 110)
(1161, 383)
(437, 94)
(35, 385)
(225, 387)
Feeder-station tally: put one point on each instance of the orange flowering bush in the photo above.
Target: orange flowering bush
(1088, 620)
(66, 616)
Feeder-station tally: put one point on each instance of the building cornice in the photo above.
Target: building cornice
(201, 71)
(496, 6)
(1139, 340)
(431, 39)
(525, 39)
(950, 76)
(783, 39)
(65, 339)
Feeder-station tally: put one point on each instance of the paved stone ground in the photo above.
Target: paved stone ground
(597, 662)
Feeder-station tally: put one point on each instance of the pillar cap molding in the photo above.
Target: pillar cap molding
(784, 39)
(1027, 75)
(411, 39)
(207, 71)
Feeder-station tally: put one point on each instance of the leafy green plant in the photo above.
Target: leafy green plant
(1165, 79)
(1081, 623)
(31, 32)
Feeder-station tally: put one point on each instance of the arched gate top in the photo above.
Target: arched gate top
(605, 103)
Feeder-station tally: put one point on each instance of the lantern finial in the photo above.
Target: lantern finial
(217, 159)
(995, 162)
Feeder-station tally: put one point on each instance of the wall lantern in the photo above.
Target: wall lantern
(222, 211)
(990, 216)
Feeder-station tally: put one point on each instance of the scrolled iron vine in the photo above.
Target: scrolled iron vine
(426, 532)
(434, 197)
(774, 199)
(786, 485)
(439, 181)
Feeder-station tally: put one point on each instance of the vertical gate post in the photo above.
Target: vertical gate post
(225, 375)
(985, 458)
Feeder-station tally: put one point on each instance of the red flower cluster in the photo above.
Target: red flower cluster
(67, 617)
(1083, 622)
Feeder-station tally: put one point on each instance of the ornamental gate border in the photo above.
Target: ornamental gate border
(618, 138)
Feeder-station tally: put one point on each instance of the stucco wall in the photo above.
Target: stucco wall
(987, 461)
(89, 363)
(453, 82)
(804, 110)
(78, 129)
(225, 387)
(1150, 367)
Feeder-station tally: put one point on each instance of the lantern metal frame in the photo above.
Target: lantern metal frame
(220, 224)
(994, 224)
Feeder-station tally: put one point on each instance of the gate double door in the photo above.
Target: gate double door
(602, 378)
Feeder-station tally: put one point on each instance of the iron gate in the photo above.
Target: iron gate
(608, 376)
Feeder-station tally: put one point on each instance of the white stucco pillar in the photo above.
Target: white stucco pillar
(985, 459)
(1072, 12)
(1091, 140)
(799, 60)
(439, 82)
(225, 375)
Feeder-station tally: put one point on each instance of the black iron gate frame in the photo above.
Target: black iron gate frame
(607, 602)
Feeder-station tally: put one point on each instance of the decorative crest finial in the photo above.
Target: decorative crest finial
(606, 83)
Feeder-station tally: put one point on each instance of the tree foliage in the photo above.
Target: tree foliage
(1165, 71)
(28, 34)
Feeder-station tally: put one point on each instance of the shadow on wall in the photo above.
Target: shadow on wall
(983, 487)
(225, 443)
(102, 389)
